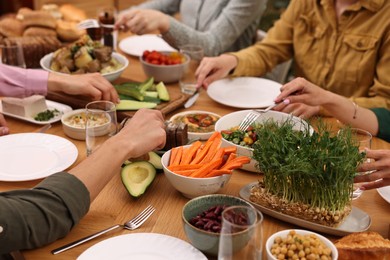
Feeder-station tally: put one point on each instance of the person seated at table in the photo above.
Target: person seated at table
(31, 218)
(342, 46)
(218, 26)
(19, 82)
(376, 121)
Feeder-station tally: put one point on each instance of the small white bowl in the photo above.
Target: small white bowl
(46, 61)
(192, 134)
(77, 132)
(165, 73)
(284, 234)
(193, 187)
(234, 119)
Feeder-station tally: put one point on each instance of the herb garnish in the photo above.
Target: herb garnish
(46, 115)
(315, 169)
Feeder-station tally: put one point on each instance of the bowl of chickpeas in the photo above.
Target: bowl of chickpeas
(299, 244)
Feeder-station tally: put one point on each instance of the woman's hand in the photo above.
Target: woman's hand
(381, 167)
(211, 69)
(143, 21)
(298, 109)
(4, 130)
(93, 85)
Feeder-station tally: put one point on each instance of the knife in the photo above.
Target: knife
(191, 100)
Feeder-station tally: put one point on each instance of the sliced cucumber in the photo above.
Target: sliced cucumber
(134, 105)
(162, 91)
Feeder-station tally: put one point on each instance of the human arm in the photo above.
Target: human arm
(381, 167)
(35, 217)
(4, 130)
(302, 91)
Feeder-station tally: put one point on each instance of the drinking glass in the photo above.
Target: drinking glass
(12, 55)
(363, 138)
(101, 124)
(241, 234)
(188, 80)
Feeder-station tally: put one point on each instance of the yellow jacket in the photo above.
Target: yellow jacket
(350, 57)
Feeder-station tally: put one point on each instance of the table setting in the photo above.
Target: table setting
(164, 233)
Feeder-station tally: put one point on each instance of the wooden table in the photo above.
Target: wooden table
(115, 205)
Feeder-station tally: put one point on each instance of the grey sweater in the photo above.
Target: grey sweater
(217, 25)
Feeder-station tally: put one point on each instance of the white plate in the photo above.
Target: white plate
(385, 193)
(142, 246)
(50, 105)
(137, 44)
(357, 221)
(244, 92)
(31, 156)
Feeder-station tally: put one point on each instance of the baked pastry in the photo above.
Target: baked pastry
(363, 246)
(39, 18)
(39, 31)
(11, 27)
(67, 31)
(72, 13)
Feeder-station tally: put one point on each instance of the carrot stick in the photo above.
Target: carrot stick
(214, 135)
(214, 173)
(184, 167)
(206, 168)
(230, 149)
(178, 156)
(185, 172)
(219, 154)
(236, 163)
(189, 154)
(173, 155)
(213, 149)
(200, 155)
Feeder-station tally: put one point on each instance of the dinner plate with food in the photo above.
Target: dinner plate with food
(34, 109)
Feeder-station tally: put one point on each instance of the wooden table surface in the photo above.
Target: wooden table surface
(115, 205)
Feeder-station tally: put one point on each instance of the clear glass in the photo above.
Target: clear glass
(241, 234)
(364, 139)
(101, 124)
(188, 80)
(12, 55)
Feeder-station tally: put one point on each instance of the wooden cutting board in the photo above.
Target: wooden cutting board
(177, 100)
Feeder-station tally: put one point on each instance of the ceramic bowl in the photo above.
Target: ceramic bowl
(207, 241)
(284, 233)
(78, 132)
(234, 119)
(193, 132)
(46, 61)
(193, 187)
(164, 73)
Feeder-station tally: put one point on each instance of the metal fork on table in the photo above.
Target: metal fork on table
(252, 116)
(132, 224)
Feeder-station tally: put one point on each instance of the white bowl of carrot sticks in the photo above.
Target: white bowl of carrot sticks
(201, 168)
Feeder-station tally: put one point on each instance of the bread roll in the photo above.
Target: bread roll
(67, 31)
(72, 13)
(39, 31)
(363, 246)
(11, 27)
(22, 11)
(39, 18)
(53, 10)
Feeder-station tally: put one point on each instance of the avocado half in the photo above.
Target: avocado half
(137, 176)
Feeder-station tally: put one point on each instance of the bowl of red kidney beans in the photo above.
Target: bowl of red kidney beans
(202, 220)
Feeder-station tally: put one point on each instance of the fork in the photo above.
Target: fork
(253, 116)
(132, 224)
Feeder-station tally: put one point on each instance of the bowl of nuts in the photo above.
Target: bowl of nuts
(298, 244)
(201, 218)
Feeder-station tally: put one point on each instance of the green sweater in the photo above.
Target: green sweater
(31, 218)
(383, 116)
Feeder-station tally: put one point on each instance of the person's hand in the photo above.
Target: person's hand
(211, 69)
(143, 21)
(300, 90)
(4, 130)
(144, 132)
(381, 167)
(93, 85)
(298, 109)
